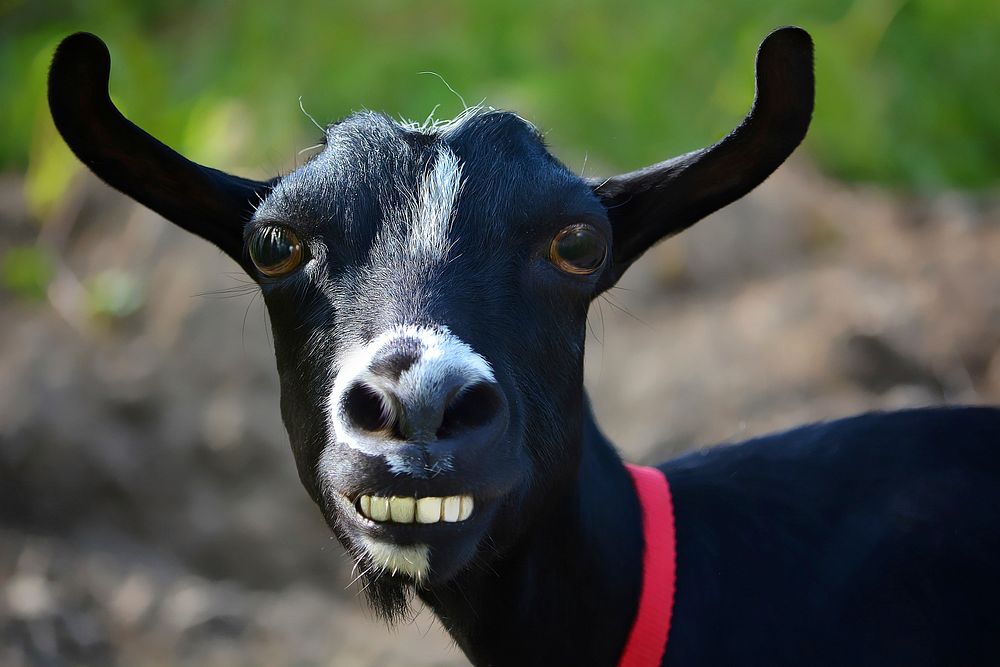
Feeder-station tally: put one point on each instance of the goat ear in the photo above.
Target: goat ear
(650, 204)
(204, 201)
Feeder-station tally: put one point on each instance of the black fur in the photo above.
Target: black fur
(863, 541)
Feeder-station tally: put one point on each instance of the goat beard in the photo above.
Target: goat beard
(389, 595)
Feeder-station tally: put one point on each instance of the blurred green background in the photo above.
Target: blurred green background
(907, 92)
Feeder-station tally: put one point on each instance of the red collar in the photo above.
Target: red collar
(648, 640)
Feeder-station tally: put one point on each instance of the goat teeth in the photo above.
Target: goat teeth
(428, 510)
(401, 509)
(379, 509)
(466, 510)
(451, 508)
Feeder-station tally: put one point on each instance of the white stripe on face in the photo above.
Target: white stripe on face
(437, 201)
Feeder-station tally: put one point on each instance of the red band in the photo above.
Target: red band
(648, 640)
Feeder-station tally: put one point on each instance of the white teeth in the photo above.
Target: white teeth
(428, 510)
(466, 508)
(379, 509)
(452, 506)
(401, 509)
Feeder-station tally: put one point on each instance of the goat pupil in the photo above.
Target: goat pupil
(275, 250)
(578, 249)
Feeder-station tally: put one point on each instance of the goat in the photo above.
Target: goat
(428, 289)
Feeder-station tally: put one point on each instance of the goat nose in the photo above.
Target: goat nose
(449, 409)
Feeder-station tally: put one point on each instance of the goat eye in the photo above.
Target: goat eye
(275, 250)
(578, 249)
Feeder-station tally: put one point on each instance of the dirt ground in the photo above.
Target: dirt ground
(150, 513)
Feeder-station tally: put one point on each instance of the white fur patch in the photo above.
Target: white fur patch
(442, 356)
(437, 201)
(413, 560)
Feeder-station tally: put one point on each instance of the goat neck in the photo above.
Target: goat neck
(580, 560)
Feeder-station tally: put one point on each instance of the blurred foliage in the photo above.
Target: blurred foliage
(26, 271)
(113, 293)
(907, 91)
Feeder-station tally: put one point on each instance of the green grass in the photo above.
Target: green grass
(907, 91)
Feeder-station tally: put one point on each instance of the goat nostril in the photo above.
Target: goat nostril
(473, 407)
(367, 408)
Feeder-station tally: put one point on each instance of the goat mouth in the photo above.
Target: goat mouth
(440, 522)
(412, 510)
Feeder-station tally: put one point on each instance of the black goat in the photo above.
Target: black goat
(428, 290)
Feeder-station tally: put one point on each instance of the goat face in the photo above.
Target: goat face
(432, 318)
(428, 290)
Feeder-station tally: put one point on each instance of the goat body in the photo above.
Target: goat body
(428, 290)
(863, 541)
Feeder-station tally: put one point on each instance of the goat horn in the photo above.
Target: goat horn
(205, 201)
